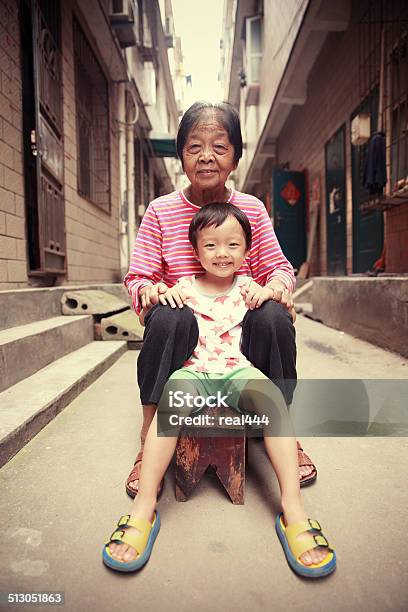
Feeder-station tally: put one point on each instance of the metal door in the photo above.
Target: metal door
(368, 226)
(336, 203)
(42, 126)
(288, 205)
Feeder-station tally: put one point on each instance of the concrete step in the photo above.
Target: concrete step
(22, 306)
(27, 348)
(29, 405)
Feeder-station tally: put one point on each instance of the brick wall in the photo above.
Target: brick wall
(333, 94)
(92, 235)
(13, 261)
(396, 237)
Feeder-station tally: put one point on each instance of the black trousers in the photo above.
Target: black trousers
(171, 335)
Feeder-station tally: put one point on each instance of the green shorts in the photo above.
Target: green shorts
(227, 383)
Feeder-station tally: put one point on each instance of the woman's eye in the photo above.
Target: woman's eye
(220, 147)
(194, 147)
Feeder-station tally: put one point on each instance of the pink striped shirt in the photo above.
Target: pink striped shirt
(163, 252)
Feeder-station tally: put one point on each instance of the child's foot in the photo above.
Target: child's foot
(293, 512)
(124, 552)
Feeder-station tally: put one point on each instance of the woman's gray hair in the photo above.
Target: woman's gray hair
(224, 113)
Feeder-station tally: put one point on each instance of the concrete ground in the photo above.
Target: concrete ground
(62, 494)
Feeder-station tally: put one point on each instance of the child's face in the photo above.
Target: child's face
(221, 250)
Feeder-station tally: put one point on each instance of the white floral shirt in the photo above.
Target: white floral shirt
(219, 319)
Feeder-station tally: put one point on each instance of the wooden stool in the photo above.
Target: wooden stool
(225, 453)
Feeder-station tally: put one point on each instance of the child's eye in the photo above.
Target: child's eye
(234, 244)
(209, 244)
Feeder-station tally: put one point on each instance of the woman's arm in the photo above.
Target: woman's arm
(146, 262)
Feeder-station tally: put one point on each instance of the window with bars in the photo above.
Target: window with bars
(92, 122)
(383, 51)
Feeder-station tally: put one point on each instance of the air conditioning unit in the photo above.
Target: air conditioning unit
(121, 11)
(124, 18)
(360, 129)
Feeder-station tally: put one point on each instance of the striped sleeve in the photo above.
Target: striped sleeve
(146, 261)
(267, 261)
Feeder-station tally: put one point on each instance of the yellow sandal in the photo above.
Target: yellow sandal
(142, 542)
(294, 548)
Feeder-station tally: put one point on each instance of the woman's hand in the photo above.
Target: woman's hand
(149, 295)
(281, 294)
(175, 296)
(161, 293)
(255, 295)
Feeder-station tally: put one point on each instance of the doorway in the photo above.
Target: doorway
(368, 225)
(40, 22)
(289, 204)
(336, 203)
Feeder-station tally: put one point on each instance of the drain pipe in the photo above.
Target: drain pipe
(123, 196)
(132, 118)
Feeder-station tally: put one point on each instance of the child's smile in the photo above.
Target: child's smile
(221, 250)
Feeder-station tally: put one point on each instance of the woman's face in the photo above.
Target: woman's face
(208, 155)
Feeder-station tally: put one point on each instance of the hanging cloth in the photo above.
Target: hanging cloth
(375, 175)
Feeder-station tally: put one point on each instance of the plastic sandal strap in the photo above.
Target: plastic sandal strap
(308, 542)
(137, 541)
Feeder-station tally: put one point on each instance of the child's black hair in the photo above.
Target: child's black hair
(215, 215)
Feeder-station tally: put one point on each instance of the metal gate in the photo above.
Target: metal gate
(42, 126)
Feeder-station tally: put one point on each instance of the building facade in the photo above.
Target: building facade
(85, 90)
(322, 91)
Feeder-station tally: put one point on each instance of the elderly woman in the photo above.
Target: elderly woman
(209, 144)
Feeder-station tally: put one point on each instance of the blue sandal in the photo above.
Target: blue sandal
(142, 542)
(294, 548)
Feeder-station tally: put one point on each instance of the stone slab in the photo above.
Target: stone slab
(373, 309)
(29, 405)
(123, 326)
(21, 306)
(28, 348)
(91, 301)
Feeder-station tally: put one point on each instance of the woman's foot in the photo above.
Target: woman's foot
(293, 512)
(132, 481)
(142, 510)
(307, 469)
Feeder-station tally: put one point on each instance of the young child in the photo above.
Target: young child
(220, 235)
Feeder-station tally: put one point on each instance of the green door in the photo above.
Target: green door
(288, 210)
(336, 204)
